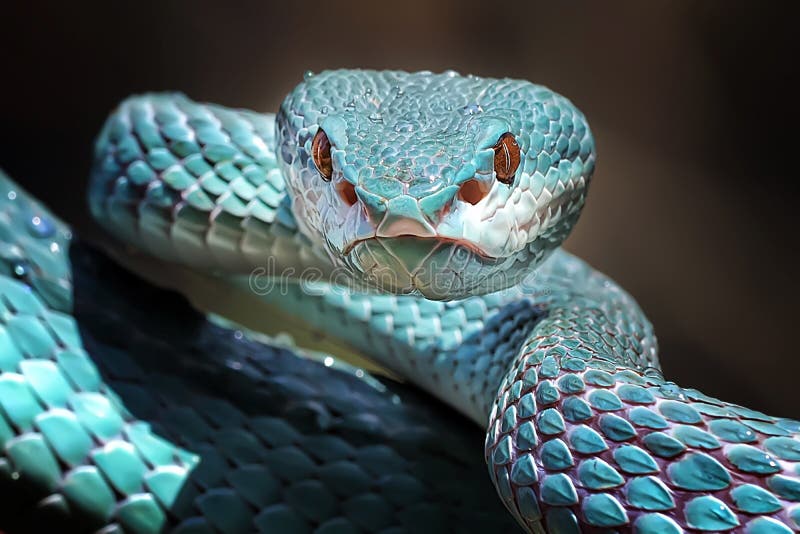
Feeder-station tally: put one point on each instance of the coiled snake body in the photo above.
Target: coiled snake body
(417, 217)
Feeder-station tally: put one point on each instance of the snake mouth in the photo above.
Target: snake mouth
(435, 267)
(424, 241)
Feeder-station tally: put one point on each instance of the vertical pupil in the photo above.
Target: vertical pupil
(321, 152)
(506, 157)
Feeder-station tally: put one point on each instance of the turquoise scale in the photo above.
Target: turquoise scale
(604, 400)
(634, 460)
(635, 394)
(784, 448)
(663, 445)
(649, 493)
(603, 510)
(691, 436)
(752, 460)
(576, 409)
(586, 440)
(708, 513)
(556, 456)
(596, 474)
(616, 428)
(754, 499)
(558, 490)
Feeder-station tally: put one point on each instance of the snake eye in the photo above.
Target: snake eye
(506, 158)
(321, 152)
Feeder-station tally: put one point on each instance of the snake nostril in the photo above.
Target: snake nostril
(473, 191)
(347, 192)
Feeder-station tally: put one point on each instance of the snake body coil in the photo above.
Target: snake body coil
(418, 219)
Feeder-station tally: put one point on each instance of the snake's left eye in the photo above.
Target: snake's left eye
(321, 152)
(506, 158)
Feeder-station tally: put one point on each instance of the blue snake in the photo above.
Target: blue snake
(416, 219)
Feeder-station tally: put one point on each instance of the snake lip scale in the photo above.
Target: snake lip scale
(465, 244)
(446, 199)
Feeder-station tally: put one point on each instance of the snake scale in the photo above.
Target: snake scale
(418, 218)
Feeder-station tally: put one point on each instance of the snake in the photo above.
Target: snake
(417, 219)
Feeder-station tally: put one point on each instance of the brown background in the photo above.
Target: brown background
(693, 105)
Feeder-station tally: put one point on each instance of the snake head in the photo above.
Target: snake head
(434, 184)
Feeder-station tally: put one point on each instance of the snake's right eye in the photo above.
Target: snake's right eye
(321, 152)
(506, 158)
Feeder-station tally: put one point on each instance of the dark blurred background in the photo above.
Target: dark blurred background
(693, 104)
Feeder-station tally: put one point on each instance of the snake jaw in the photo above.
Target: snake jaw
(434, 267)
(433, 239)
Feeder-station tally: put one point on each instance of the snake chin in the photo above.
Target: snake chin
(436, 268)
